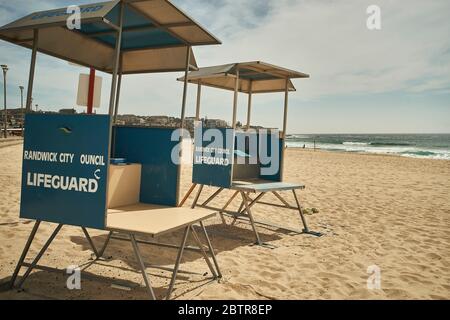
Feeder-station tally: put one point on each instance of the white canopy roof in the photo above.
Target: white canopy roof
(255, 77)
(155, 36)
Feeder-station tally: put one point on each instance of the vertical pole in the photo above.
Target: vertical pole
(90, 102)
(32, 69)
(116, 108)
(186, 72)
(283, 143)
(233, 124)
(119, 86)
(21, 107)
(113, 89)
(197, 118)
(5, 115)
(249, 111)
(286, 101)
(183, 119)
(116, 63)
(235, 102)
(199, 97)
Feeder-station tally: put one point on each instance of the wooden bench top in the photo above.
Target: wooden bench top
(153, 220)
(264, 186)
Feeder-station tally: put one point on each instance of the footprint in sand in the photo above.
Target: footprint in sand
(433, 256)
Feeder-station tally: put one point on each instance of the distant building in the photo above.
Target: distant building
(68, 111)
(158, 121)
(14, 117)
(168, 122)
(215, 123)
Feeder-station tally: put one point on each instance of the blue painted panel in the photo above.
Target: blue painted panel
(141, 39)
(148, 38)
(152, 148)
(263, 149)
(56, 185)
(109, 39)
(131, 18)
(94, 27)
(131, 39)
(242, 148)
(270, 149)
(211, 168)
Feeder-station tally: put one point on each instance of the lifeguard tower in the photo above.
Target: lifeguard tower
(71, 172)
(242, 168)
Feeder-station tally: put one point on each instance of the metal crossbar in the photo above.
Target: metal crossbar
(245, 213)
(190, 228)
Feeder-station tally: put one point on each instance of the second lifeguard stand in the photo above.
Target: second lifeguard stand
(237, 171)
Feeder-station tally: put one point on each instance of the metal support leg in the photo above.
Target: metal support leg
(202, 250)
(197, 196)
(39, 256)
(241, 207)
(249, 213)
(302, 216)
(253, 202)
(186, 196)
(226, 206)
(102, 250)
(177, 263)
(142, 266)
(300, 210)
(240, 210)
(91, 243)
(282, 199)
(24, 254)
(215, 194)
(211, 250)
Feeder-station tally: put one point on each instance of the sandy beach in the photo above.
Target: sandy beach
(388, 211)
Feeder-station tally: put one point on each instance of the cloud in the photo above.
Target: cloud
(327, 39)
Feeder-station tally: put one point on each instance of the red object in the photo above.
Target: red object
(90, 105)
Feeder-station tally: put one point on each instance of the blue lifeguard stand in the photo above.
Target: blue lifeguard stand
(67, 177)
(243, 171)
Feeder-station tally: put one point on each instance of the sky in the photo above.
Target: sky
(393, 80)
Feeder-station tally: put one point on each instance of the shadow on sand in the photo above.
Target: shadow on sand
(158, 260)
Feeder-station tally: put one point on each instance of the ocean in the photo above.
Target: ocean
(431, 146)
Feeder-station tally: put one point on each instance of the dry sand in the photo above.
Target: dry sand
(387, 211)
